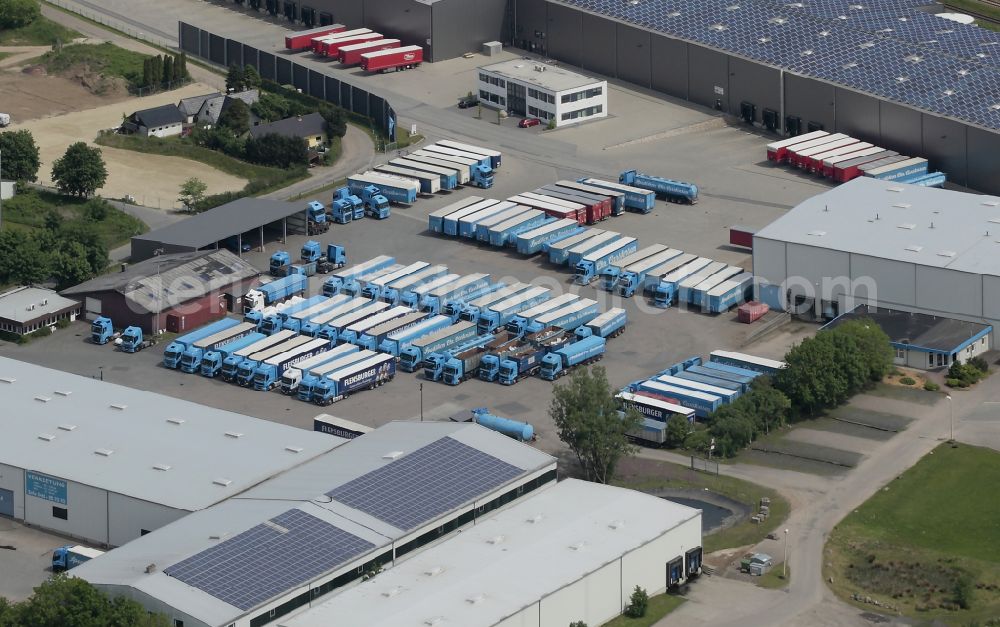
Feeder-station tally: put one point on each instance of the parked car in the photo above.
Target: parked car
(529, 122)
(467, 103)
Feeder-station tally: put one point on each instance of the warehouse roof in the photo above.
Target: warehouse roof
(534, 548)
(917, 330)
(295, 126)
(224, 221)
(148, 446)
(164, 281)
(891, 49)
(349, 505)
(910, 223)
(549, 77)
(23, 304)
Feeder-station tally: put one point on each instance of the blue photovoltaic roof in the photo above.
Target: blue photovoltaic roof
(887, 48)
(407, 494)
(268, 559)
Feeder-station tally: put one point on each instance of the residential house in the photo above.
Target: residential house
(163, 121)
(212, 108)
(190, 107)
(310, 127)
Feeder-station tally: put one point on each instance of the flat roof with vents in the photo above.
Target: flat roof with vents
(922, 225)
(124, 440)
(546, 76)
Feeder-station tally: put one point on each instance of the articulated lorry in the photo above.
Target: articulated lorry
(503, 234)
(703, 404)
(396, 188)
(70, 556)
(489, 368)
(616, 198)
(435, 221)
(568, 317)
(531, 242)
(351, 334)
(275, 322)
(517, 323)
(561, 360)
(429, 183)
(411, 356)
(373, 289)
(494, 155)
(314, 325)
(463, 289)
(470, 311)
(558, 249)
(334, 327)
(336, 281)
(591, 265)
(646, 276)
(479, 175)
(399, 339)
(354, 287)
(526, 360)
(576, 253)
(267, 374)
(302, 40)
(609, 324)
(351, 54)
(690, 289)
(413, 296)
(462, 363)
(497, 314)
(311, 378)
(373, 337)
(666, 289)
(211, 362)
(292, 376)
(636, 198)
(174, 350)
(461, 170)
(610, 275)
(296, 320)
(364, 375)
(245, 369)
(485, 225)
(393, 293)
(231, 362)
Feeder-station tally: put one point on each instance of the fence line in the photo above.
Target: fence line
(115, 24)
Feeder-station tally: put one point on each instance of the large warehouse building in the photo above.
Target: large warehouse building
(291, 540)
(175, 292)
(573, 552)
(887, 72)
(108, 464)
(891, 245)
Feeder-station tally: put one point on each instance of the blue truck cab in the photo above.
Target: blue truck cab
(101, 330)
(279, 263)
(316, 211)
(131, 340)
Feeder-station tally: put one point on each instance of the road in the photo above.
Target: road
(357, 153)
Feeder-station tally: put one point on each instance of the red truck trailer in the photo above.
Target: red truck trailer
(830, 164)
(741, 236)
(597, 208)
(795, 152)
(392, 60)
(320, 44)
(847, 170)
(554, 210)
(815, 163)
(302, 40)
(778, 151)
(351, 55)
(807, 158)
(333, 47)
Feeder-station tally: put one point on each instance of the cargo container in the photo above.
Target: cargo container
(440, 152)
(814, 163)
(558, 249)
(190, 361)
(172, 355)
(609, 275)
(292, 376)
(465, 288)
(494, 155)
(353, 287)
(504, 233)
(351, 54)
(325, 423)
(302, 40)
(333, 284)
(311, 379)
(806, 159)
(666, 290)
(844, 171)
(268, 373)
(319, 45)
(393, 294)
(374, 288)
(412, 296)
(778, 151)
(751, 311)
(452, 222)
(351, 334)
(716, 366)
(467, 224)
(435, 221)
(653, 408)
(826, 168)
(497, 314)
(611, 323)
(411, 356)
(333, 328)
(297, 319)
(597, 207)
(686, 287)
(671, 190)
(901, 171)
(794, 151)
(461, 169)
(699, 294)
(727, 394)
(702, 403)
(749, 362)
(429, 183)
(568, 317)
(728, 294)
(332, 47)
(274, 322)
(517, 324)
(575, 254)
(314, 325)
(743, 380)
(553, 207)
(649, 432)
(397, 189)
(579, 353)
(448, 177)
(231, 362)
(401, 338)
(365, 375)
(483, 226)
(617, 198)
(710, 380)
(636, 198)
(531, 242)
(471, 310)
(402, 58)
(876, 165)
(245, 369)
(211, 362)
(591, 265)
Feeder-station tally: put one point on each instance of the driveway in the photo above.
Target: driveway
(356, 155)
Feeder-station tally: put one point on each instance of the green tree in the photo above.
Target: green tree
(179, 71)
(71, 265)
(812, 378)
(251, 78)
(678, 429)
(270, 107)
(235, 78)
(963, 592)
(70, 601)
(698, 441)
(334, 121)
(80, 171)
(192, 192)
(30, 263)
(873, 346)
(53, 220)
(638, 603)
(18, 13)
(9, 241)
(168, 69)
(184, 66)
(88, 234)
(587, 419)
(235, 117)
(276, 150)
(20, 156)
(147, 72)
(156, 71)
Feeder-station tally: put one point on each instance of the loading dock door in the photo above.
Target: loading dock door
(6, 503)
(93, 308)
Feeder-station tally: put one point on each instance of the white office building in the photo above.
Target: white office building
(534, 89)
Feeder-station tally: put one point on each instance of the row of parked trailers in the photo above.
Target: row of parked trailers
(693, 389)
(359, 46)
(840, 157)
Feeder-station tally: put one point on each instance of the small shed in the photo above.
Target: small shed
(756, 563)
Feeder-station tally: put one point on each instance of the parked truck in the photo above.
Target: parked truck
(374, 288)
(486, 225)
(489, 368)
(334, 283)
(616, 198)
(581, 352)
(414, 295)
(526, 360)
(292, 376)
(364, 375)
(396, 189)
(314, 325)
(435, 221)
(132, 341)
(231, 363)
(654, 408)
(373, 337)
(247, 365)
(480, 171)
(609, 324)
(902, 171)
(465, 288)
(495, 157)
(462, 362)
(575, 254)
(568, 317)
(637, 277)
(172, 355)
(723, 389)
(352, 333)
(333, 328)
(518, 323)
(703, 404)
(346, 206)
(666, 289)
(410, 357)
(497, 314)
(70, 556)
(296, 320)
(461, 169)
(274, 292)
(310, 379)
(673, 191)
(520, 431)
(267, 374)
(397, 340)
(558, 249)
(468, 223)
(452, 223)
(393, 293)
(531, 242)
(302, 40)
(354, 287)
(275, 322)
(636, 198)
(504, 234)
(211, 362)
(591, 265)
(394, 60)
(691, 289)
(447, 177)
(429, 183)
(101, 330)
(191, 358)
(470, 310)
(609, 275)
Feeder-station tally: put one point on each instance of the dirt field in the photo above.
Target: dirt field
(152, 179)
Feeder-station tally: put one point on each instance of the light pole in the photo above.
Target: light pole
(784, 562)
(421, 402)
(951, 412)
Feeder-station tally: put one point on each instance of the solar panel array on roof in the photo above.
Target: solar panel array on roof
(887, 48)
(268, 559)
(406, 495)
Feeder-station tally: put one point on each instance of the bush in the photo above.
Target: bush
(930, 386)
(638, 603)
(908, 381)
(578, 623)
(18, 13)
(980, 364)
(62, 323)
(963, 592)
(955, 383)
(966, 373)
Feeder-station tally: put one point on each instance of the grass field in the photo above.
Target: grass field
(659, 606)
(27, 212)
(916, 540)
(645, 475)
(982, 8)
(774, 580)
(107, 59)
(41, 32)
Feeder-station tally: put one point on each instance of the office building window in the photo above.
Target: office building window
(484, 78)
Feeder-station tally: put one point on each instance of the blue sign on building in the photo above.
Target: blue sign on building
(45, 487)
